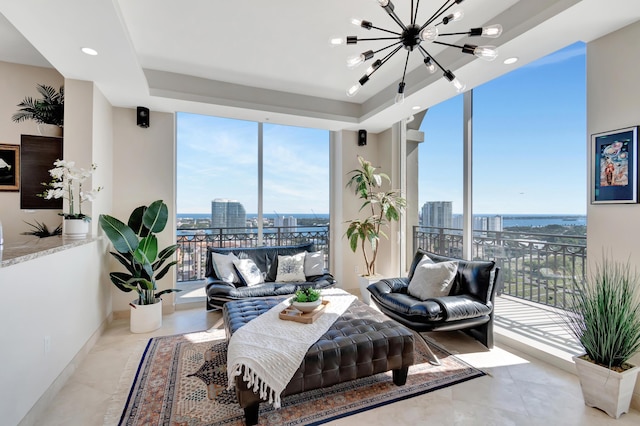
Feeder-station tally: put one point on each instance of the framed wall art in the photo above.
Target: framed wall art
(9, 167)
(614, 166)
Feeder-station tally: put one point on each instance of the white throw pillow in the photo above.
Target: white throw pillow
(291, 268)
(432, 279)
(248, 271)
(223, 265)
(313, 263)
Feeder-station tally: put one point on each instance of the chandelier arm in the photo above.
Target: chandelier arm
(385, 59)
(450, 34)
(448, 44)
(385, 30)
(379, 38)
(395, 17)
(406, 62)
(390, 54)
(424, 52)
(443, 9)
(385, 48)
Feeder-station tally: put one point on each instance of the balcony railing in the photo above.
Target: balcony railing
(193, 243)
(542, 268)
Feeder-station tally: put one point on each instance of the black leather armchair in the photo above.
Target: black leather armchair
(468, 307)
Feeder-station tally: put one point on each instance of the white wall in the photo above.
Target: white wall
(16, 82)
(144, 171)
(613, 91)
(382, 151)
(59, 296)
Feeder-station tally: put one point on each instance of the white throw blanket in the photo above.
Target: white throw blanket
(270, 349)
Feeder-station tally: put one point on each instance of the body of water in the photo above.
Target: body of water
(508, 221)
(542, 220)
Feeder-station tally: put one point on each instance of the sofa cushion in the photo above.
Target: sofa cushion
(313, 263)
(291, 268)
(432, 279)
(248, 272)
(224, 268)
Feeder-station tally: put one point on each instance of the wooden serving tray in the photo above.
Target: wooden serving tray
(292, 314)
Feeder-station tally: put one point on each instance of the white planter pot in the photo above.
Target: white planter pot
(364, 281)
(75, 228)
(50, 130)
(145, 318)
(606, 389)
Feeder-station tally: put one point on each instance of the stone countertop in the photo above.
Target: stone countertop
(34, 247)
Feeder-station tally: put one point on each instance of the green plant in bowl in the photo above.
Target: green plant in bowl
(306, 300)
(306, 295)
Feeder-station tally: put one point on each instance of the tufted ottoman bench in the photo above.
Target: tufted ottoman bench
(362, 342)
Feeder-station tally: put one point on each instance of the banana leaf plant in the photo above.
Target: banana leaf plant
(383, 207)
(136, 248)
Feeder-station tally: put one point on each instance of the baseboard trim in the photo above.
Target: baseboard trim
(47, 397)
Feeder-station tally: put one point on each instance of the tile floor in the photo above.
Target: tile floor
(519, 390)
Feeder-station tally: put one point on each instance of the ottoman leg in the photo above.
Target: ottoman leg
(251, 414)
(400, 376)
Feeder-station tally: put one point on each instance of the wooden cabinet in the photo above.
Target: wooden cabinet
(37, 154)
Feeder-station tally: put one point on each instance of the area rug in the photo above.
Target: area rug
(182, 380)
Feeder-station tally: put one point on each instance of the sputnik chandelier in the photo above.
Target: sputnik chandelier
(415, 37)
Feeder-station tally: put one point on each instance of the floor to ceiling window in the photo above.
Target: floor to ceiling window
(219, 198)
(529, 184)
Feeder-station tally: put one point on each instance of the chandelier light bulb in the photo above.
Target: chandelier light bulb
(351, 91)
(355, 60)
(383, 3)
(488, 53)
(492, 31)
(336, 41)
(357, 22)
(429, 34)
(453, 17)
(456, 83)
(460, 86)
(429, 64)
(373, 67)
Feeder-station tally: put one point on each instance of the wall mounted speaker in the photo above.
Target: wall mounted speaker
(362, 137)
(143, 117)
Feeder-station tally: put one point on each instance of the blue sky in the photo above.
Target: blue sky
(529, 150)
(529, 146)
(217, 158)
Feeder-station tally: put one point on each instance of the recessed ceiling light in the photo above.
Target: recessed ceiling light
(510, 61)
(89, 51)
(415, 108)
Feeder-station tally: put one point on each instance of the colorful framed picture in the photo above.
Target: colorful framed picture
(614, 166)
(9, 167)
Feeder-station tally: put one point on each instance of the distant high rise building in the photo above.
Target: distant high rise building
(228, 214)
(487, 223)
(457, 221)
(437, 214)
(285, 221)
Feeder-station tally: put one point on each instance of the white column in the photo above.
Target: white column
(260, 181)
(336, 185)
(467, 184)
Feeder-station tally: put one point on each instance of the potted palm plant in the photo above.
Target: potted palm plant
(605, 318)
(47, 111)
(382, 206)
(137, 250)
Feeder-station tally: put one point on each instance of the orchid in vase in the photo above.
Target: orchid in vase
(66, 182)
